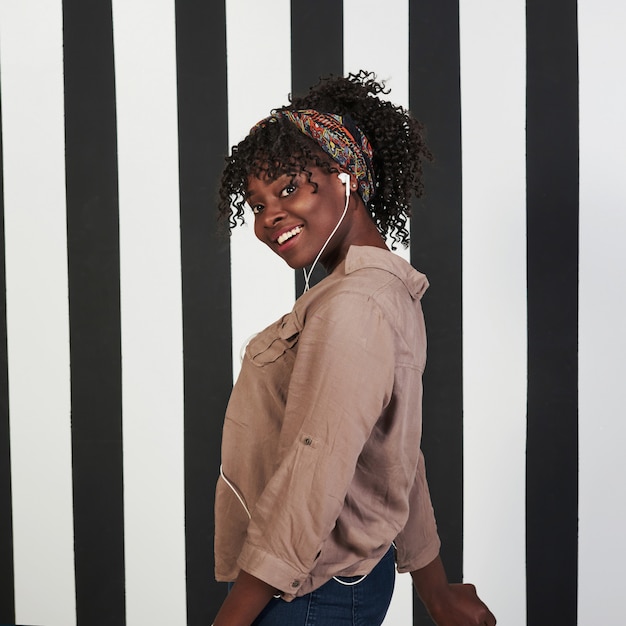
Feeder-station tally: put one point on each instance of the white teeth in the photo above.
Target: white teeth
(288, 235)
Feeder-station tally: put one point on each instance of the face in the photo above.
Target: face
(294, 218)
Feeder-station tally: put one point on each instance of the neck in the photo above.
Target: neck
(369, 236)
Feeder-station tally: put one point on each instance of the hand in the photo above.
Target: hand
(450, 604)
(461, 606)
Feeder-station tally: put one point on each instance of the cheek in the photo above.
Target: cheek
(258, 228)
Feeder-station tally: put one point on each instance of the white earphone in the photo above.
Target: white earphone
(345, 179)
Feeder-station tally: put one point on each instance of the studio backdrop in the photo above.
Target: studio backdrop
(123, 308)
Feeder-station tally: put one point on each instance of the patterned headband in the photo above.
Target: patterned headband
(339, 137)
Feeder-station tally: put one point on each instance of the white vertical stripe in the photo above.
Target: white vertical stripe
(31, 50)
(259, 79)
(376, 39)
(494, 301)
(602, 333)
(151, 315)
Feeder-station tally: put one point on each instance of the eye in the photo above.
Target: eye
(256, 208)
(288, 190)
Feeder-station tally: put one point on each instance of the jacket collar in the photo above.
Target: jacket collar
(359, 257)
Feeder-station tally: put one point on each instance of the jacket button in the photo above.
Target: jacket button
(308, 441)
(295, 584)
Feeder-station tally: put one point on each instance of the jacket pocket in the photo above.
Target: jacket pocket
(270, 344)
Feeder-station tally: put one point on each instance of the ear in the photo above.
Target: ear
(344, 177)
(348, 179)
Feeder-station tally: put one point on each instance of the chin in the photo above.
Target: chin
(294, 265)
(296, 262)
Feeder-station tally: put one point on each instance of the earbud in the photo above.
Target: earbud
(345, 179)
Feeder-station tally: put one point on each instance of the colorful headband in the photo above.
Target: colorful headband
(339, 137)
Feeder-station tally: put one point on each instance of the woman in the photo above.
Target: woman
(323, 484)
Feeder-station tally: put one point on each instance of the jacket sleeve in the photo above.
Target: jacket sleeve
(341, 382)
(418, 543)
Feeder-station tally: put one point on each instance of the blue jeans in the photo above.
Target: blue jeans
(334, 604)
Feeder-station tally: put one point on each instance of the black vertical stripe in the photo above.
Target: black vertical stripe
(434, 97)
(552, 240)
(207, 337)
(312, 23)
(7, 584)
(309, 59)
(93, 260)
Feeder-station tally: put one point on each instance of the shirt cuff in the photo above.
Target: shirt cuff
(271, 570)
(407, 562)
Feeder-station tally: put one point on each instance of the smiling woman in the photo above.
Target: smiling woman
(323, 483)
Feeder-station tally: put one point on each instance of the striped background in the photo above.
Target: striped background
(117, 341)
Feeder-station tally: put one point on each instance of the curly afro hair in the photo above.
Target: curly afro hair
(278, 148)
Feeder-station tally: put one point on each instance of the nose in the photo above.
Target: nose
(273, 213)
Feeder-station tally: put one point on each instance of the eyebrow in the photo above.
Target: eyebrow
(291, 176)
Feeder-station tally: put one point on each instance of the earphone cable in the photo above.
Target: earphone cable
(319, 254)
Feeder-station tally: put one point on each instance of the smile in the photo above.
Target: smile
(288, 235)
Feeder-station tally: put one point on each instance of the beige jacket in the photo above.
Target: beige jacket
(322, 432)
